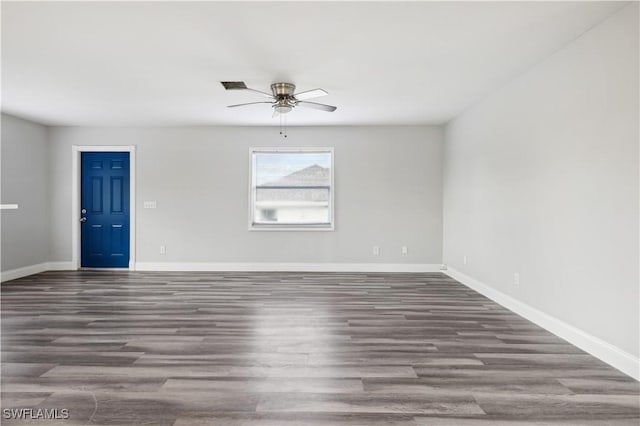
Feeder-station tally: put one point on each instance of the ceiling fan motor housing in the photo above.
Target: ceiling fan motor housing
(283, 90)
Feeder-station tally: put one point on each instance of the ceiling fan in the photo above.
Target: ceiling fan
(282, 97)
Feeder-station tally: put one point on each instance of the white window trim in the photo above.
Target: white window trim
(283, 227)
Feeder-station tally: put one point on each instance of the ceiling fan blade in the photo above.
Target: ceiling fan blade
(250, 103)
(316, 105)
(239, 85)
(315, 93)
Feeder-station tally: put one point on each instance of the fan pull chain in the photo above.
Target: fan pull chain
(283, 129)
(285, 126)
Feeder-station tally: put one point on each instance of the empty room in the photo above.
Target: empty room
(320, 213)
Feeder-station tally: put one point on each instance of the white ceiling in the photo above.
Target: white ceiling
(160, 63)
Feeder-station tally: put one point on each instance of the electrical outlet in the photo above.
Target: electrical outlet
(405, 250)
(376, 250)
(464, 259)
(163, 249)
(516, 279)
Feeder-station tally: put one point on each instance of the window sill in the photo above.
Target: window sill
(297, 228)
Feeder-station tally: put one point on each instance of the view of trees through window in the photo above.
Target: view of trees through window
(292, 188)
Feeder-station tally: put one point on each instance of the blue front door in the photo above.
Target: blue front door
(105, 210)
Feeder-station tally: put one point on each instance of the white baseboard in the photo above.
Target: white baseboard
(612, 355)
(14, 274)
(287, 267)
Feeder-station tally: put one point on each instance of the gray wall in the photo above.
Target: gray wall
(541, 179)
(388, 193)
(25, 167)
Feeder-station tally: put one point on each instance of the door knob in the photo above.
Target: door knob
(83, 219)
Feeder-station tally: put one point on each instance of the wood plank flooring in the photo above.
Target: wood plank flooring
(282, 349)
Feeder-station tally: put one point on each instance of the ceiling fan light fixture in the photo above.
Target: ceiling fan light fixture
(283, 108)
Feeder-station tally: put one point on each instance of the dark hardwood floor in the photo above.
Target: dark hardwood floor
(285, 349)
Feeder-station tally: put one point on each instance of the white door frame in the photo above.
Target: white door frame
(76, 175)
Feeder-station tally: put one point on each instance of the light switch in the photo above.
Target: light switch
(149, 205)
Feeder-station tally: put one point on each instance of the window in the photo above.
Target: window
(291, 189)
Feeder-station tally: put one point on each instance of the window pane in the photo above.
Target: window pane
(293, 205)
(292, 188)
(293, 169)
